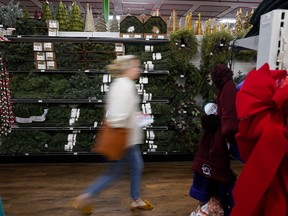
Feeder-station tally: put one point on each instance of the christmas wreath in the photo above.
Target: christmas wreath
(183, 45)
(155, 24)
(131, 21)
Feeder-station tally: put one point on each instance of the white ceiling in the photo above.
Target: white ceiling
(208, 8)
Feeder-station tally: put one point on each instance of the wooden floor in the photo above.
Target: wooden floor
(46, 189)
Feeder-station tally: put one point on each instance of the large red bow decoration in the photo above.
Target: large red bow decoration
(262, 187)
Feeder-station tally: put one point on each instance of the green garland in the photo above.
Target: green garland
(155, 21)
(131, 21)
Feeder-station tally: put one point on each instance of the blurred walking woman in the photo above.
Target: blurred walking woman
(122, 109)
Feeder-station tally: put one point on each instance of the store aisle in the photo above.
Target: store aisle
(46, 189)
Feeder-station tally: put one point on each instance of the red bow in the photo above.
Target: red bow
(262, 186)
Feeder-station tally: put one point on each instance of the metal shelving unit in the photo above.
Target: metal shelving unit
(90, 71)
(76, 101)
(95, 101)
(21, 38)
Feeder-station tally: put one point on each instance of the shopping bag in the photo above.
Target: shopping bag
(111, 142)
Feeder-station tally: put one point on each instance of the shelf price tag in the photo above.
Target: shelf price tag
(86, 71)
(42, 70)
(40, 101)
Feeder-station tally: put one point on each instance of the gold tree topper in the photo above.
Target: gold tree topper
(188, 21)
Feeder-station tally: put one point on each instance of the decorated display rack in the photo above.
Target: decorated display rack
(40, 114)
(64, 105)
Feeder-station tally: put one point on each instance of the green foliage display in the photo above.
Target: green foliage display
(245, 55)
(10, 13)
(82, 86)
(46, 11)
(27, 110)
(89, 115)
(76, 20)
(130, 21)
(84, 56)
(62, 17)
(25, 142)
(84, 142)
(114, 26)
(183, 45)
(30, 26)
(19, 56)
(155, 21)
(182, 114)
(214, 50)
(101, 25)
(77, 86)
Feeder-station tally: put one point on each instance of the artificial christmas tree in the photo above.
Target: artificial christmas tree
(114, 27)
(188, 23)
(76, 21)
(46, 11)
(198, 29)
(62, 17)
(247, 26)
(238, 25)
(9, 14)
(207, 29)
(89, 20)
(174, 23)
(101, 24)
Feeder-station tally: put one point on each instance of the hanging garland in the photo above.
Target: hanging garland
(6, 113)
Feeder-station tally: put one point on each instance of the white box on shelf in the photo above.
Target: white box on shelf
(51, 65)
(53, 32)
(272, 25)
(107, 34)
(37, 46)
(40, 56)
(53, 24)
(89, 34)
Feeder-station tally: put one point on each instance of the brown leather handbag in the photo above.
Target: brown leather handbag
(111, 142)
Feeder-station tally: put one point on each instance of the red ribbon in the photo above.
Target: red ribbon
(262, 186)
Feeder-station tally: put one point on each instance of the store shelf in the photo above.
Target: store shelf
(76, 129)
(249, 43)
(75, 101)
(20, 38)
(73, 129)
(58, 101)
(90, 71)
(85, 157)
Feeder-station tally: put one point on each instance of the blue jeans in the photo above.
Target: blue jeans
(134, 159)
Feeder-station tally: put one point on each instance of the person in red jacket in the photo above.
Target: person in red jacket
(262, 106)
(213, 178)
